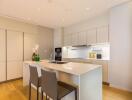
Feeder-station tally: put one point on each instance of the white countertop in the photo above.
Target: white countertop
(70, 67)
(103, 59)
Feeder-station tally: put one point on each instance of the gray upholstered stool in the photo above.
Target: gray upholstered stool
(35, 80)
(54, 89)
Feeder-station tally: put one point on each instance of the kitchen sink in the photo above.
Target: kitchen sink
(58, 62)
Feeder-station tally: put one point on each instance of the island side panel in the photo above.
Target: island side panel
(91, 85)
(26, 74)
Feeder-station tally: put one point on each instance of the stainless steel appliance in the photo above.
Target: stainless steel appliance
(58, 54)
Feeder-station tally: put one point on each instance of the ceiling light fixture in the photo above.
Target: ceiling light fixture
(87, 9)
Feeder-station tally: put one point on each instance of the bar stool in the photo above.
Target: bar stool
(35, 80)
(53, 88)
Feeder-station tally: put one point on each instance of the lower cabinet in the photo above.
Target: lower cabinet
(2, 55)
(105, 65)
(2, 71)
(104, 69)
(14, 69)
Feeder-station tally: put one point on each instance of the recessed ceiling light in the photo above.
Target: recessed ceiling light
(29, 18)
(50, 1)
(87, 9)
(63, 20)
(39, 9)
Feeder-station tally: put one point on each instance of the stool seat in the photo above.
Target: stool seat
(64, 89)
(53, 88)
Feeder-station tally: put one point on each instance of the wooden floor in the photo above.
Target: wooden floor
(15, 91)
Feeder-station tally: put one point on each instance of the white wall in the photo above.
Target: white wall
(120, 69)
(45, 34)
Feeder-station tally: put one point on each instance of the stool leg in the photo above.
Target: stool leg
(37, 93)
(29, 90)
(42, 95)
(46, 97)
(75, 94)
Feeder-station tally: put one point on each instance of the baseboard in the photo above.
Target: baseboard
(120, 88)
(11, 80)
(106, 83)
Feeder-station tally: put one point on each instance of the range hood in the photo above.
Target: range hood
(81, 46)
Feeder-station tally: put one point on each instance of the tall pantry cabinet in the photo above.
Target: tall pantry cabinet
(14, 54)
(2, 55)
(11, 54)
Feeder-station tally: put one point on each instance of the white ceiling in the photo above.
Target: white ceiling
(55, 13)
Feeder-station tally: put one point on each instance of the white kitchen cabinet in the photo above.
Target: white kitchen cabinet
(103, 34)
(30, 40)
(88, 37)
(91, 36)
(82, 36)
(2, 71)
(104, 68)
(2, 55)
(2, 45)
(14, 69)
(74, 39)
(67, 39)
(14, 54)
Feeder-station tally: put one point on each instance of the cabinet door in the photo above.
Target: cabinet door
(14, 69)
(91, 36)
(74, 39)
(104, 68)
(14, 54)
(82, 38)
(2, 71)
(2, 55)
(103, 34)
(30, 40)
(67, 39)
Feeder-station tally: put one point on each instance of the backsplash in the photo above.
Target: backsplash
(86, 52)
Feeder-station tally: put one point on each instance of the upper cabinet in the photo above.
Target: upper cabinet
(67, 39)
(91, 36)
(103, 34)
(88, 37)
(82, 38)
(74, 39)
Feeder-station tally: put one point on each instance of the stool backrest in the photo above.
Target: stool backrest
(34, 78)
(49, 83)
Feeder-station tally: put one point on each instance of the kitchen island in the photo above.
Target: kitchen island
(86, 77)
